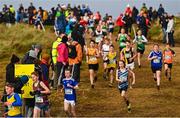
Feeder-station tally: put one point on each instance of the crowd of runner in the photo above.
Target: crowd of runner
(71, 25)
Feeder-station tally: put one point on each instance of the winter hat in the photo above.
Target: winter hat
(14, 59)
(33, 54)
(38, 46)
(24, 79)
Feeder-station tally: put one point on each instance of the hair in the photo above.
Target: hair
(112, 45)
(11, 85)
(67, 69)
(123, 63)
(92, 41)
(35, 73)
(128, 41)
(156, 45)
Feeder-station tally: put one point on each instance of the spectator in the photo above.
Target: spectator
(160, 10)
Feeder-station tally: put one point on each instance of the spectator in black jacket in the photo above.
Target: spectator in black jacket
(10, 69)
(164, 22)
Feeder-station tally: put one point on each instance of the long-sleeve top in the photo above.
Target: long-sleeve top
(62, 50)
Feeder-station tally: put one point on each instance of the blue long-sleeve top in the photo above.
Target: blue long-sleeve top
(17, 101)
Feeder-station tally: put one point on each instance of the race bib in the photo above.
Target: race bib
(10, 107)
(92, 58)
(123, 79)
(39, 99)
(68, 91)
(167, 57)
(127, 55)
(156, 61)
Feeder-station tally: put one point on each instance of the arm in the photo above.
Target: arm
(133, 76)
(79, 52)
(151, 57)
(18, 101)
(46, 89)
(97, 53)
(117, 76)
(122, 55)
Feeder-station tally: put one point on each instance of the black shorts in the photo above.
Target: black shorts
(140, 51)
(109, 69)
(169, 65)
(111, 30)
(156, 69)
(106, 61)
(93, 66)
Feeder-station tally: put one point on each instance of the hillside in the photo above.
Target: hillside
(101, 101)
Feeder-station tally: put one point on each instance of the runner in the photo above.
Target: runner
(155, 57)
(110, 24)
(128, 55)
(13, 103)
(112, 59)
(69, 86)
(41, 99)
(122, 37)
(167, 56)
(99, 36)
(92, 54)
(105, 51)
(140, 40)
(122, 79)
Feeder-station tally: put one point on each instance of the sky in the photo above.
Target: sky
(113, 7)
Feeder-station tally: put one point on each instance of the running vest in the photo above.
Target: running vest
(105, 49)
(123, 76)
(122, 41)
(92, 59)
(13, 110)
(168, 55)
(110, 24)
(104, 28)
(128, 55)
(98, 36)
(112, 60)
(40, 99)
(140, 44)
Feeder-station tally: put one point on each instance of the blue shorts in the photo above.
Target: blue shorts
(123, 86)
(16, 116)
(154, 69)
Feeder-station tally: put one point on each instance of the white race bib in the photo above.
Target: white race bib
(39, 99)
(156, 61)
(68, 91)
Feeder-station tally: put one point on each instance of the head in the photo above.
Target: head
(9, 88)
(122, 64)
(111, 48)
(106, 41)
(92, 43)
(122, 30)
(156, 47)
(128, 44)
(37, 48)
(15, 59)
(35, 76)
(64, 39)
(139, 32)
(67, 73)
(110, 17)
(167, 46)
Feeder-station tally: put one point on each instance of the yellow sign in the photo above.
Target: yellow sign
(25, 69)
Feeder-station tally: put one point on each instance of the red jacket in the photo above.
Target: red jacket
(62, 50)
(119, 21)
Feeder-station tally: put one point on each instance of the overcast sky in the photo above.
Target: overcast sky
(113, 7)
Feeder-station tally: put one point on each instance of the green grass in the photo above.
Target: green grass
(101, 101)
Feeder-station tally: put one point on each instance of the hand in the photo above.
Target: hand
(154, 57)
(37, 92)
(7, 103)
(64, 63)
(130, 59)
(68, 85)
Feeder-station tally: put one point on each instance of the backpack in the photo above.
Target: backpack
(72, 51)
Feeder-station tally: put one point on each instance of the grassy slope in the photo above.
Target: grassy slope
(102, 101)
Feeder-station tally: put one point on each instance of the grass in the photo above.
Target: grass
(101, 101)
